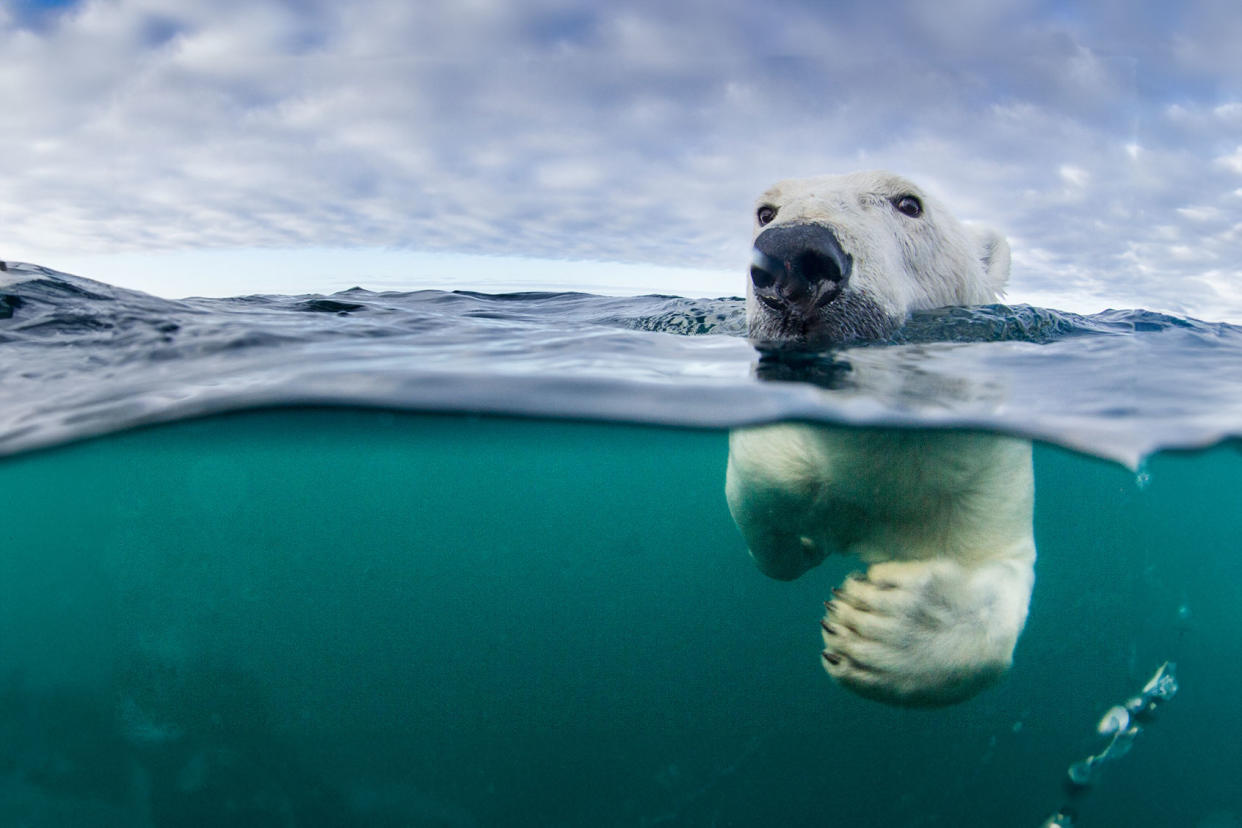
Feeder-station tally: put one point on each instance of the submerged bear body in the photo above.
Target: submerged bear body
(942, 519)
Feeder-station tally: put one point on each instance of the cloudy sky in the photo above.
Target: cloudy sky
(227, 146)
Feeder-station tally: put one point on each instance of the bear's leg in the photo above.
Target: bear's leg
(926, 633)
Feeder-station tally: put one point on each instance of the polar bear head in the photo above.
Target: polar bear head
(845, 258)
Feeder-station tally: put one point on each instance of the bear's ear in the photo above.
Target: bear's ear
(993, 252)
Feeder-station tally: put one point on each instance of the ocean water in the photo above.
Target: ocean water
(456, 559)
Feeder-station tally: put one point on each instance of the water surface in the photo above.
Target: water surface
(82, 358)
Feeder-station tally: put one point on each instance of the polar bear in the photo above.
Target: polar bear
(941, 519)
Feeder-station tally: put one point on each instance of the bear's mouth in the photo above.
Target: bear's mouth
(849, 319)
(788, 308)
(771, 303)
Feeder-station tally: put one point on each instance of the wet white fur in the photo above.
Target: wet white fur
(941, 519)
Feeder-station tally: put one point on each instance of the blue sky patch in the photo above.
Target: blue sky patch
(39, 14)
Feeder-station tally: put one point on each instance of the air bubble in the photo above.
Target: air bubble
(1114, 721)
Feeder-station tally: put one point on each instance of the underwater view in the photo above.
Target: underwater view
(458, 559)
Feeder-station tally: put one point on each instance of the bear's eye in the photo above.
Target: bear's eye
(909, 205)
(765, 214)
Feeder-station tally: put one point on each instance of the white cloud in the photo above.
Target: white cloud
(1232, 161)
(634, 132)
(1231, 111)
(1200, 213)
(1074, 176)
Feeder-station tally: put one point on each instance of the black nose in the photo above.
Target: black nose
(798, 264)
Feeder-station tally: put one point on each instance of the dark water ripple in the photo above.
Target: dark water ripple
(80, 358)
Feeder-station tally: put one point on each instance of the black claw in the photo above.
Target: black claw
(831, 630)
(831, 658)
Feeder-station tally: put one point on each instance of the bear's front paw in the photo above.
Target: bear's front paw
(925, 633)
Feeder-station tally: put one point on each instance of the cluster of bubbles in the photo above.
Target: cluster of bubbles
(1122, 723)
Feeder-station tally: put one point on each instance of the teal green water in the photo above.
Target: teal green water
(350, 617)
